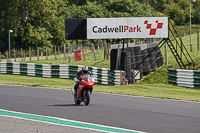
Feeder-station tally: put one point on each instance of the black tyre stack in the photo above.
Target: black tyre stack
(133, 59)
(152, 59)
(113, 59)
(133, 65)
(145, 63)
(159, 59)
(138, 58)
(128, 66)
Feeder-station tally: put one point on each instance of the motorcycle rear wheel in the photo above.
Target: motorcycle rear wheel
(77, 102)
(87, 98)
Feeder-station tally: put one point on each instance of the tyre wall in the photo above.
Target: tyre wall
(137, 54)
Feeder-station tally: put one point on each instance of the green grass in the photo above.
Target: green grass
(35, 81)
(154, 85)
(195, 55)
(103, 63)
(89, 60)
(150, 90)
(160, 76)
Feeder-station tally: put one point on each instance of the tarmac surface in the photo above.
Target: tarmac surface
(145, 114)
(12, 125)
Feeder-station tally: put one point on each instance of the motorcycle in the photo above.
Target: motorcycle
(84, 89)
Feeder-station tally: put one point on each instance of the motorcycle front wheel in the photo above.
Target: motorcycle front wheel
(77, 102)
(86, 97)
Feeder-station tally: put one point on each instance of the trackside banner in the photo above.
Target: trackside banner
(133, 27)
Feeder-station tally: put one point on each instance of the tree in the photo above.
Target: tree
(35, 23)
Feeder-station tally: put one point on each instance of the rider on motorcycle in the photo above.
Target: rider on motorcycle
(78, 75)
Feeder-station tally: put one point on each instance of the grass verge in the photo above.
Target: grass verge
(89, 60)
(150, 90)
(154, 85)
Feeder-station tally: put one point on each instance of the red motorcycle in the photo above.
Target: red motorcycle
(84, 90)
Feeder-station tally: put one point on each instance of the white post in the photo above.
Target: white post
(10, 31)
(166, 53)
(190, 28)
(184, 37)
(69, 60)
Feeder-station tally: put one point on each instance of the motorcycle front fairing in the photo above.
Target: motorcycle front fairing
(85, 84)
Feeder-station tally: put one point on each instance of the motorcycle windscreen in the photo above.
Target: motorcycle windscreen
(87, 77)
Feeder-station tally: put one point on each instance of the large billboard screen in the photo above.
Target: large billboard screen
(75, 29)
(131, 27)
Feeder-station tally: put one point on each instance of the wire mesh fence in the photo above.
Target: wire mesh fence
(50, 53)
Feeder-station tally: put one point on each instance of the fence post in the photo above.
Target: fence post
(105, 49)
(50, 52)
(55, 52)
(118, 57)
(58, 52)
(41, 53)
(166, 59)
(83, 54)
(22, 54)
(121, 79)
(98, 46)
(184, 37)
(46, 53)
(7, 55)
(197, 40)
(15, 55)
(0, 56)
(74, 53)
(181, 44)
(88, 57)
(30, 53)
(108, 51)
(38, 54)
(69, 59)
(65, 58)
(93, 50)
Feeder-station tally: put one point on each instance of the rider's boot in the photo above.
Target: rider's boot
(75, 92)
(75, 88)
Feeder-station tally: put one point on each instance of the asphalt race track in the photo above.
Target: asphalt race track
(151, 115)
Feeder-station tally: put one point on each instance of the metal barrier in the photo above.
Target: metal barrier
(186, 78)
(101, 75)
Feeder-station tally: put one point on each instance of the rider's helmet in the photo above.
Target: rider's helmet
(85, 69)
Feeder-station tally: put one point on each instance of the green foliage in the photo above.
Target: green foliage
(186, 29)
(35, 23)
(37, 36)
(174, 11)
(39, 23)
(159, 76)
(127, 8)
(179, 11)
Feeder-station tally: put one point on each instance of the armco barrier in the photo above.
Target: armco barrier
(186, 78)
(101, 75)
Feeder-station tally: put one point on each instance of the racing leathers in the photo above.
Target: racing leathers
(77, 79)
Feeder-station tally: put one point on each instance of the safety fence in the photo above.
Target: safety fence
(100, 75)
(186, 78)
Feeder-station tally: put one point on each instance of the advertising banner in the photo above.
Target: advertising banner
(130, 27)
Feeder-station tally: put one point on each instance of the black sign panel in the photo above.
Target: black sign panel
(75, 29)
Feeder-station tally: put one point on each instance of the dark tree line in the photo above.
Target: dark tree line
(40, 23)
